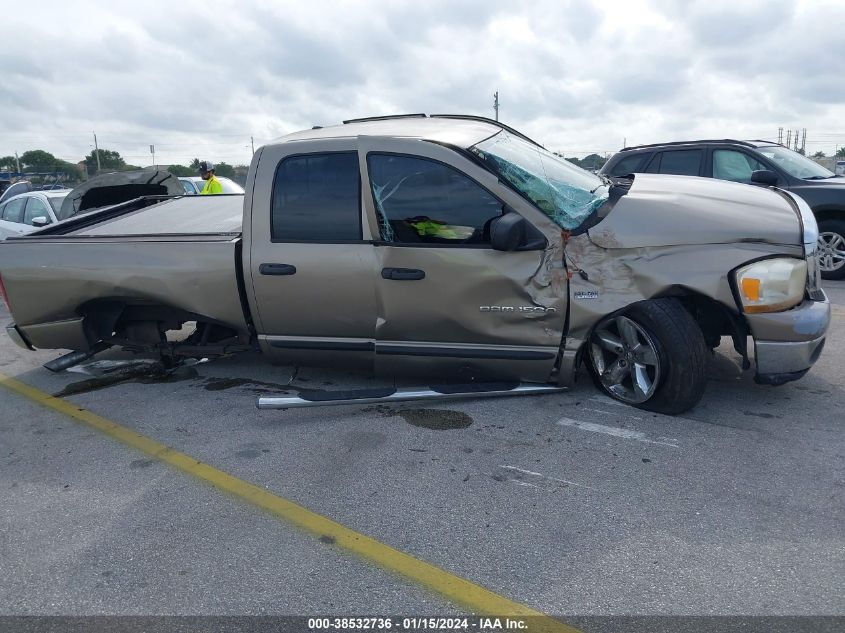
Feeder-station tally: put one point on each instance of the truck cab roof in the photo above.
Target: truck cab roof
(456, 130)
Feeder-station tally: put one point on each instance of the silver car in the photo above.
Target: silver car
(27, 212)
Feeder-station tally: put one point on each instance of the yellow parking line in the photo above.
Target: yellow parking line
(454, 588)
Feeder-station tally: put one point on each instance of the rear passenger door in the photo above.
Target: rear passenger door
(311, 262)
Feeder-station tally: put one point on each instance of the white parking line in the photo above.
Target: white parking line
(628, 434)
(604, 400)
(658, 416)
(633, 417)
(522, 477)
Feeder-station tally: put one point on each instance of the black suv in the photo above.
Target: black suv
(757, 163)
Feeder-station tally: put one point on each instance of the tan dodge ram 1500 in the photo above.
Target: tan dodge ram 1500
(449, 246)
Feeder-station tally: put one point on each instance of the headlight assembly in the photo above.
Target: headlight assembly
(771, 285)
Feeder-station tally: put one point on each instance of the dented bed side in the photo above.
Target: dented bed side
(49, 284)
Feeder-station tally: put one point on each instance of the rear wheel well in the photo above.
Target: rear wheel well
(144, 325)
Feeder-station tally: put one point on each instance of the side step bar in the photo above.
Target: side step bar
(313, 398)
(74, 358)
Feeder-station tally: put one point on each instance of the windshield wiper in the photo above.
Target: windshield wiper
(820, 177)
(605, 182)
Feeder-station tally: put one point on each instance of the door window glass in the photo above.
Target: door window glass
(317, 198)
(729, 164)
(13, 211)
(685, 162)
(35, 209)
(421, 201)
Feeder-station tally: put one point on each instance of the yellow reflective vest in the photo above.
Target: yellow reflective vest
(211, 186)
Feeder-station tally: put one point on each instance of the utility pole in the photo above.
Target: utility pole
(496, 104)
(789, 138)
(804, 141)
(780, 136)
(97, 152)
(624, 141)
(18, 162)
(252, 143)
(153, 152)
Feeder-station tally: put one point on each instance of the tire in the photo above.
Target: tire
(832, 249)
(667, 368)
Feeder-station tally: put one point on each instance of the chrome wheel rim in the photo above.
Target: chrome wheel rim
(626, 360)
(831, 251)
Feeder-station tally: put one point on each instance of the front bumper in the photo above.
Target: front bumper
(787, 344)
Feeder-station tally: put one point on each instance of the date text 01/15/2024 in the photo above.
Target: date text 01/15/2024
(413, 624)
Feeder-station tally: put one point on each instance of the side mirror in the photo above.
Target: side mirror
(764, 177)
(511, 232)
(40, 221)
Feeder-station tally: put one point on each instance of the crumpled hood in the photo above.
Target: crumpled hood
(674, 210)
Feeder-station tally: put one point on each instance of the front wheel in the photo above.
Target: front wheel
(652, 356)
(831, 249)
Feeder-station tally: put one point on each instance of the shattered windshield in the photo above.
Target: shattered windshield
(564, 192)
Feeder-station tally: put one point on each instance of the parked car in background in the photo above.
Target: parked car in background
(759, 163)
(14, 189)
(27, 212)
(193, 185)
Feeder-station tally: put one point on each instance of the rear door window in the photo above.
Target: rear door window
(317, 198)
(686, 162)
(13, 211)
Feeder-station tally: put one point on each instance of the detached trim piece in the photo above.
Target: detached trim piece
(402, 394)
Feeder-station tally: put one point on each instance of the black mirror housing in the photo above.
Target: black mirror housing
(764, 177)
(507, 232)
(511, 232)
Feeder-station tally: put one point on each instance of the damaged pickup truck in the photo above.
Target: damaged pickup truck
(446, 246)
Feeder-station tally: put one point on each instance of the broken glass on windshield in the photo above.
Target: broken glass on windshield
(564, 192)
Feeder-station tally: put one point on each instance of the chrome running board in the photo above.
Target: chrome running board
(402, 394)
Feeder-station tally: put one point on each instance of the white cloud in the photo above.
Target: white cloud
(199, 78)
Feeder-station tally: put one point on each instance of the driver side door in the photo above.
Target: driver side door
(449, 304)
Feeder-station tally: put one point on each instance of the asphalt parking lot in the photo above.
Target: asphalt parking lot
(568, 503)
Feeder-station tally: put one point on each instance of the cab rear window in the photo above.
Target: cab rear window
(317, 198)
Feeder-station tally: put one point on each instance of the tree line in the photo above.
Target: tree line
(39, 161)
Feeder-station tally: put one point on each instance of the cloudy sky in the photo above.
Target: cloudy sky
(199, 79)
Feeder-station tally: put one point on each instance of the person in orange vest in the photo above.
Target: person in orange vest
(212, 185)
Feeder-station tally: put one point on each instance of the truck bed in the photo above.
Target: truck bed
(181, 253)
(188, 215)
